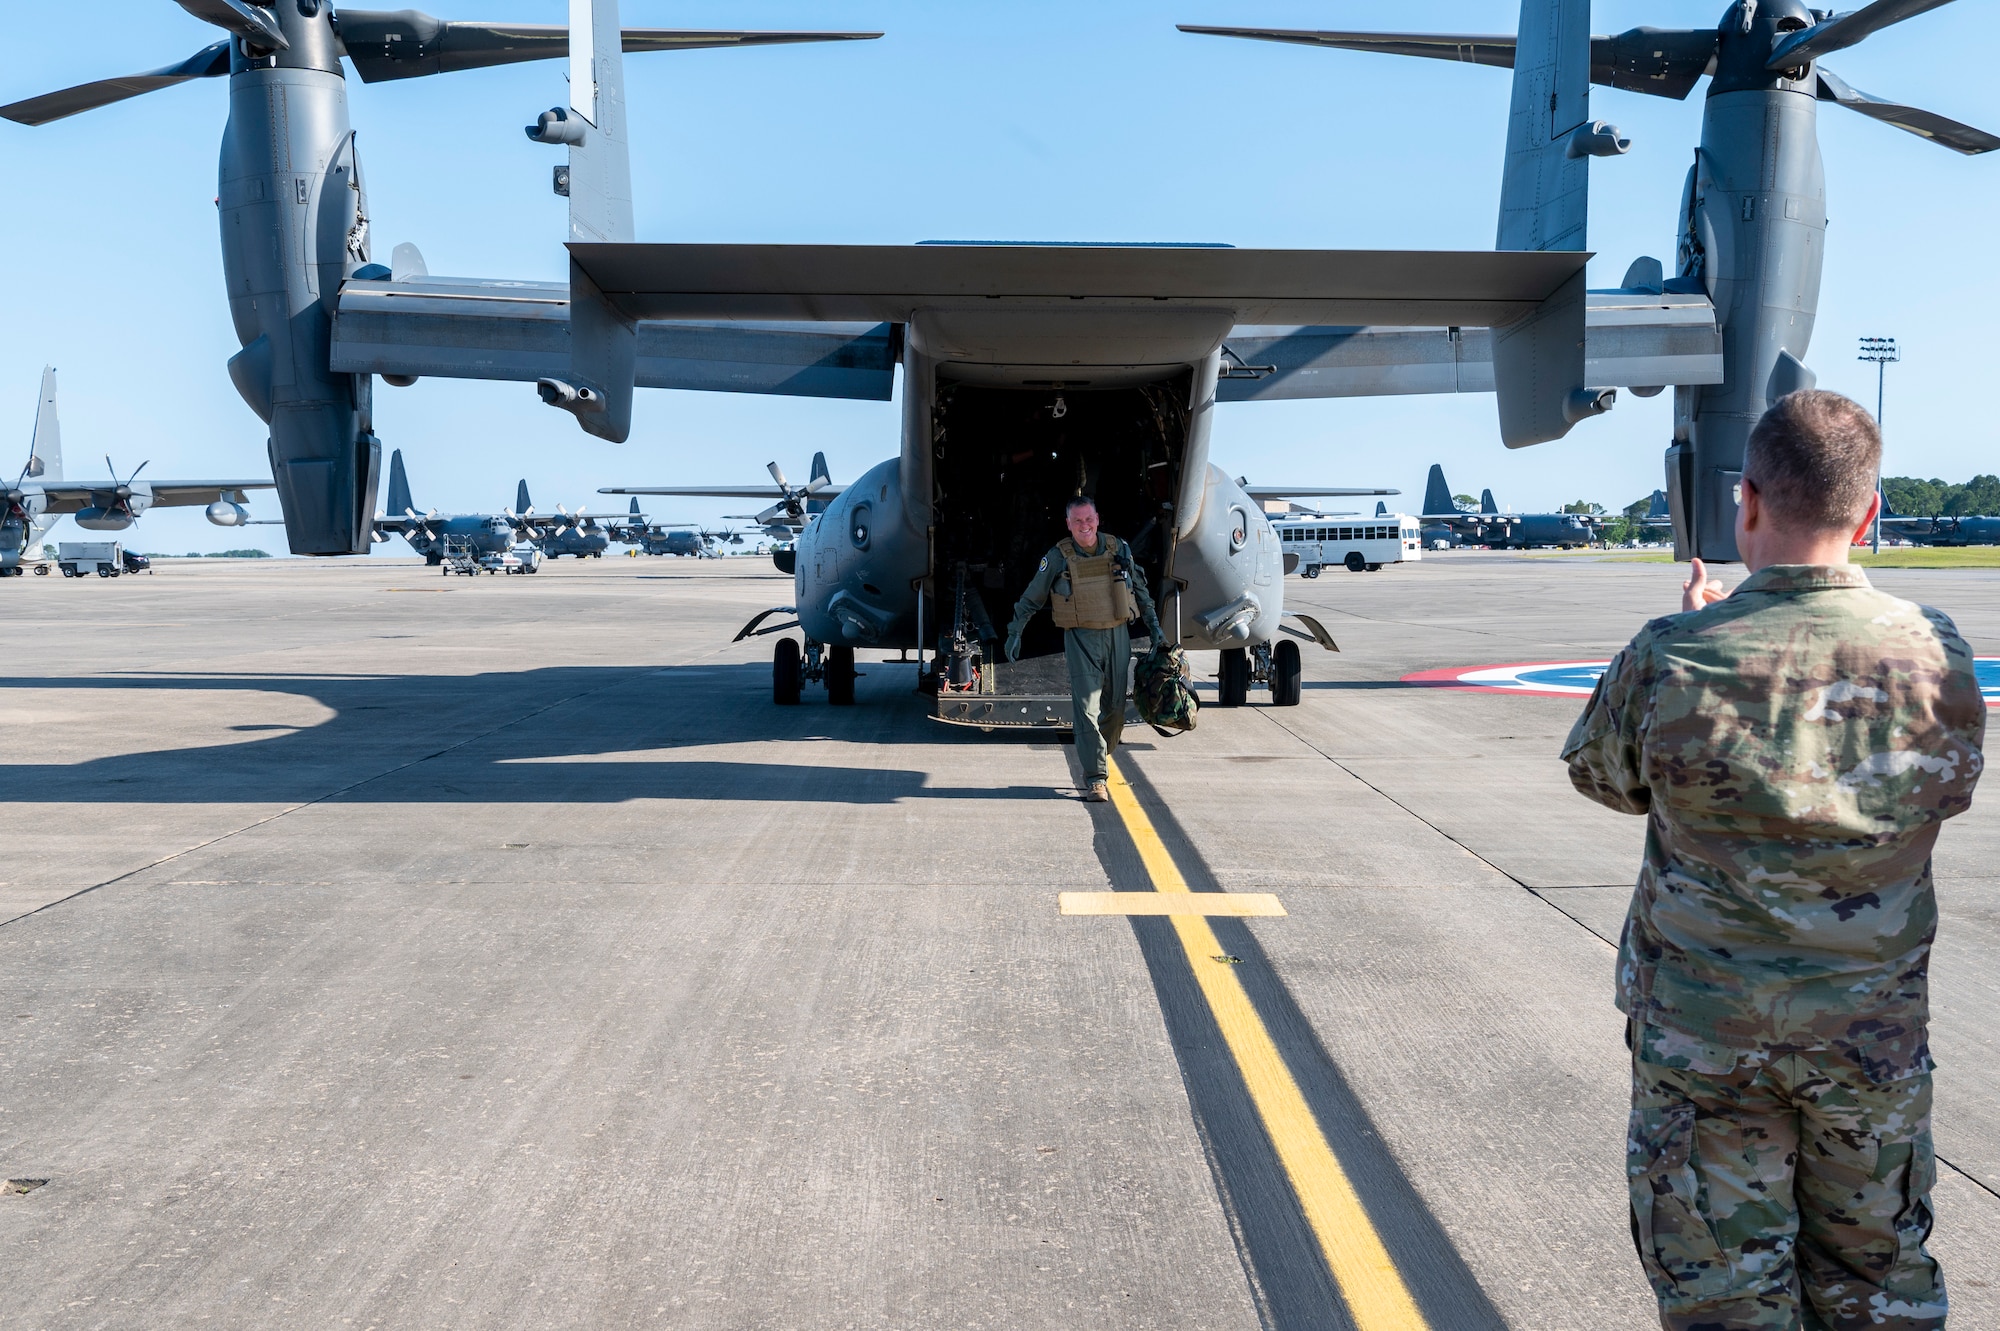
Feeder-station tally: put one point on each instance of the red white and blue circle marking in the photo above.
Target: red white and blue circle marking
(1576, 679)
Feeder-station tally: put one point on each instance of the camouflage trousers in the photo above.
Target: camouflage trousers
(1100, 664)
(1788, 1192)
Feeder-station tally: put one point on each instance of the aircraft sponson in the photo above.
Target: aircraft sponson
(1470, 288)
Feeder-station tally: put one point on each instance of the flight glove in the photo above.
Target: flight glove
(1014, 645)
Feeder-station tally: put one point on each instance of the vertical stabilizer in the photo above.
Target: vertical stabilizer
(1486, 502)
(1381, 509)
(399, 487)
(45, 449)
(603, 344)
(1544, 205)
(521, 501)
(820, 475)
(1437, 495)
(635, 506)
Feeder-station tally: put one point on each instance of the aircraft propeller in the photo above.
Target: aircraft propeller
(382, 44)
(1669, 62)
(791, 504)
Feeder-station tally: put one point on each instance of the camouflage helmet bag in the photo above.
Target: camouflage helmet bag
(1162, 692)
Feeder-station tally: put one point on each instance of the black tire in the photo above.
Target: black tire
(1232, 679)
(434, 560)
(1287, 674)
(1355, 563)
(840, 676)
(787, 675)
(1374, 568)
(1311, 571)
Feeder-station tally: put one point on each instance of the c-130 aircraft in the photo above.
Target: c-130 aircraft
(1033, 372)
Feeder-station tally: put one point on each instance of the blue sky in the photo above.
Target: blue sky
(1023, 120)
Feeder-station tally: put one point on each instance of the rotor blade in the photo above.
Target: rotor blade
(1661, 62)
(405, 44)
(1925, 124)
(777, 474)
(245, 20)
(208, 63)
(1837, 34)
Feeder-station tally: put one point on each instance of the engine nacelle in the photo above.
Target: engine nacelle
(102, 519)
(225, 514)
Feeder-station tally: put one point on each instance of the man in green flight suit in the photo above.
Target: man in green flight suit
(1097, 587)
(1795, 748)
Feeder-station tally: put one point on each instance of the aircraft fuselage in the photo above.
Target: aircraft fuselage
(1008, 414)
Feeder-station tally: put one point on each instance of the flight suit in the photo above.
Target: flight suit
(1795, 749)
(1099, 648)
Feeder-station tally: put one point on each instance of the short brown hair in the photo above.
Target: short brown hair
(1077, 502)
(1813, 458)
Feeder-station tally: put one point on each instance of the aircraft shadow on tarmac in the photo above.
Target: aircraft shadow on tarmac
(549, 735)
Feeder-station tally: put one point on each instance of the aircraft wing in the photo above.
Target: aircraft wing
(465, 328)
(75, 496)
(770, 492)
(1631, 340)
(888, 283)
(1260, 493)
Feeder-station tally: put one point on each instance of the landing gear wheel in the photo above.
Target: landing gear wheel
(840, 676)
(1232, 680)
(434, 560)
(786, 676)
(1374, 568)
(41, 570)
(1287, 674)
(1355, 563)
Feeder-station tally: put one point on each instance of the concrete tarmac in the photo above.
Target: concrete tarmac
(387, 950)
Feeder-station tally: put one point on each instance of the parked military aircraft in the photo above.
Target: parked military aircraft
(39, 496)
(1491, 527)
(1968, 530)
(585, 535)
(673, 538)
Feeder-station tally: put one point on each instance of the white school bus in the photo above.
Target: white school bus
(1356, 544)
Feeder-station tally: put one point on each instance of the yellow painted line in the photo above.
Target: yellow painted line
(1237, 904)
(1361, 1265)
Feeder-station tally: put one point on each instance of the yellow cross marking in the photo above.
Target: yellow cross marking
(1361, 1265)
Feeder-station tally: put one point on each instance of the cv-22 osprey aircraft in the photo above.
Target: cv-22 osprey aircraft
(39, 496)
(1033, 372)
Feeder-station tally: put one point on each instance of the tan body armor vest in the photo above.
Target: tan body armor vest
(1099, 597)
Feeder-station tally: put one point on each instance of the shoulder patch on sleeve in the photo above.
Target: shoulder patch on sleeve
(1045, 565)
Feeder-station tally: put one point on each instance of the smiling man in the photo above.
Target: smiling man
(1795, 747)
(1097, 588)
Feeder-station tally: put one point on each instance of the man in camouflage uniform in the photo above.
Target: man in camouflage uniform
(1099, 652)
(1795, 748)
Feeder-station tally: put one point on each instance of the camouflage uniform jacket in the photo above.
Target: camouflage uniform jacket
(1795, 748)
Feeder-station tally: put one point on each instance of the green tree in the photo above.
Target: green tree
(1583, 506)
(1911, 497)
(1465, 503)
(1980, 495)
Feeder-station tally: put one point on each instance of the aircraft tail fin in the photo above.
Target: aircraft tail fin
(1486, 504)
(521, 501)
(1437, 495)
(819, 474)
(45, 448)
(1658, 508)
(1538, 361)
(1381, 509)
(635, 506)
(399, 487)
(603, 344)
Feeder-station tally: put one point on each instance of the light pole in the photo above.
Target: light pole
(1884, 352)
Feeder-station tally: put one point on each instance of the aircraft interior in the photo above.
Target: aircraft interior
(1007, 460)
